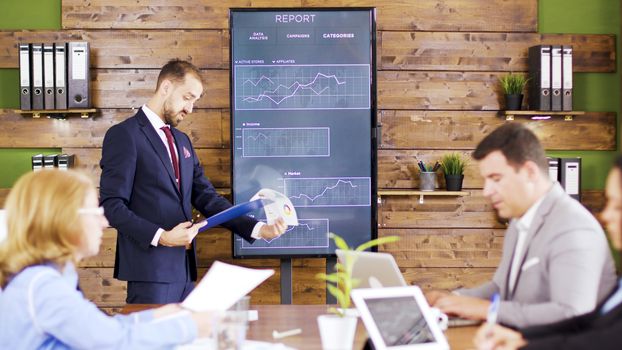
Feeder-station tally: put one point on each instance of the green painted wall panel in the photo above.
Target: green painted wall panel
(16, 15)
(9, 81)
(30, 14)
(579, 16)
(16, 161)
(596, 92)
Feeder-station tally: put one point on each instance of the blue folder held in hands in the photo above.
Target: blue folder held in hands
(234, 212)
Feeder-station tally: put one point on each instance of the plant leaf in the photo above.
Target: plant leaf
(341, 267)
(513, 84)
(339, 242)
(330, 278)
(377, 241)
(336, 311)
(342, 299)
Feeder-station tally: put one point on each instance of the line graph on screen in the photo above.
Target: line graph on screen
(286, 142)
(329, 191)
(282, 87)
(310, 233)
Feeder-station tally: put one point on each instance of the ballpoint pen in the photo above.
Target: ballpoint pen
(493, 309)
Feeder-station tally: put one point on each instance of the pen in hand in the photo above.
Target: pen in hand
(493, 310)
(491, 320)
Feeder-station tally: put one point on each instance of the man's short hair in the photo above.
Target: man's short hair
(175, 70)
(517, 143)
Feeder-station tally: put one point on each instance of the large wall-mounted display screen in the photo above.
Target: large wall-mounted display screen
(303, 116)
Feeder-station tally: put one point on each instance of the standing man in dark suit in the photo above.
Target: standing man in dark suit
(151, 178)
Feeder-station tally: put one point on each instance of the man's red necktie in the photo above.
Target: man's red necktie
(171, 149)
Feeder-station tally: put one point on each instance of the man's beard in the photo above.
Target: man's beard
(170, 116)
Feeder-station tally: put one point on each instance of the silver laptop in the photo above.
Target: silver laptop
(377, 270)
(374, 270)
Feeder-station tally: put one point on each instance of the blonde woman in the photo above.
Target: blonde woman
(54, 221)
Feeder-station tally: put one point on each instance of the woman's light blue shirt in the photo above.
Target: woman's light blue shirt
(41, 309)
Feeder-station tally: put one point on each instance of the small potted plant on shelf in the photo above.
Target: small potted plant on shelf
(337, 329)
(453, 165)
(513, 86)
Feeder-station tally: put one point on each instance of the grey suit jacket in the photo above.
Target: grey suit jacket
(566, 266)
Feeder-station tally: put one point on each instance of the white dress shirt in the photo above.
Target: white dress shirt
(522, 224)
(157, 124)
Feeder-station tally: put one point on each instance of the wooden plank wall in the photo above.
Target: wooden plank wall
(438, 65)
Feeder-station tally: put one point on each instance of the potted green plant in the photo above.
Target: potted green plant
(513, 86)
(453, 165)
(337, 329)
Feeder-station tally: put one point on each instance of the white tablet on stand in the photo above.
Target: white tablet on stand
(399, 318)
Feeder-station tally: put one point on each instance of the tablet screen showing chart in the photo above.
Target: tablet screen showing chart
(303, 116)
(399, 321)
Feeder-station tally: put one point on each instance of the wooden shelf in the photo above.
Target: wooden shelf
(568, 115)
(421, 194)
(57, 113)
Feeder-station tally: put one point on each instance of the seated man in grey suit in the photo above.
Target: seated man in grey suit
(556, 262)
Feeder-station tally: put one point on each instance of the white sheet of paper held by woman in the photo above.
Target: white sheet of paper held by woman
(223, 285)
(281, 206)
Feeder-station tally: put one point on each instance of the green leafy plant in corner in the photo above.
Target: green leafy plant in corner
(513, 84)
(340, 282)
(453, 164)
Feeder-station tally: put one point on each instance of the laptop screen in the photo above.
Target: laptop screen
(373, 270)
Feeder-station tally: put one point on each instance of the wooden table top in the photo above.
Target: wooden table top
(285, 317)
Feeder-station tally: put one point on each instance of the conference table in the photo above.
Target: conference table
(286, 317)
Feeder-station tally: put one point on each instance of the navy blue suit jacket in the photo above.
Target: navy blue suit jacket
(139, 195)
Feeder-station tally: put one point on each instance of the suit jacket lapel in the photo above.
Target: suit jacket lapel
(512, 236)
(536, 224)
(157, 144)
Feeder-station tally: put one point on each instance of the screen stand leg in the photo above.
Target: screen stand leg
(286, 281)
(330, 268)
